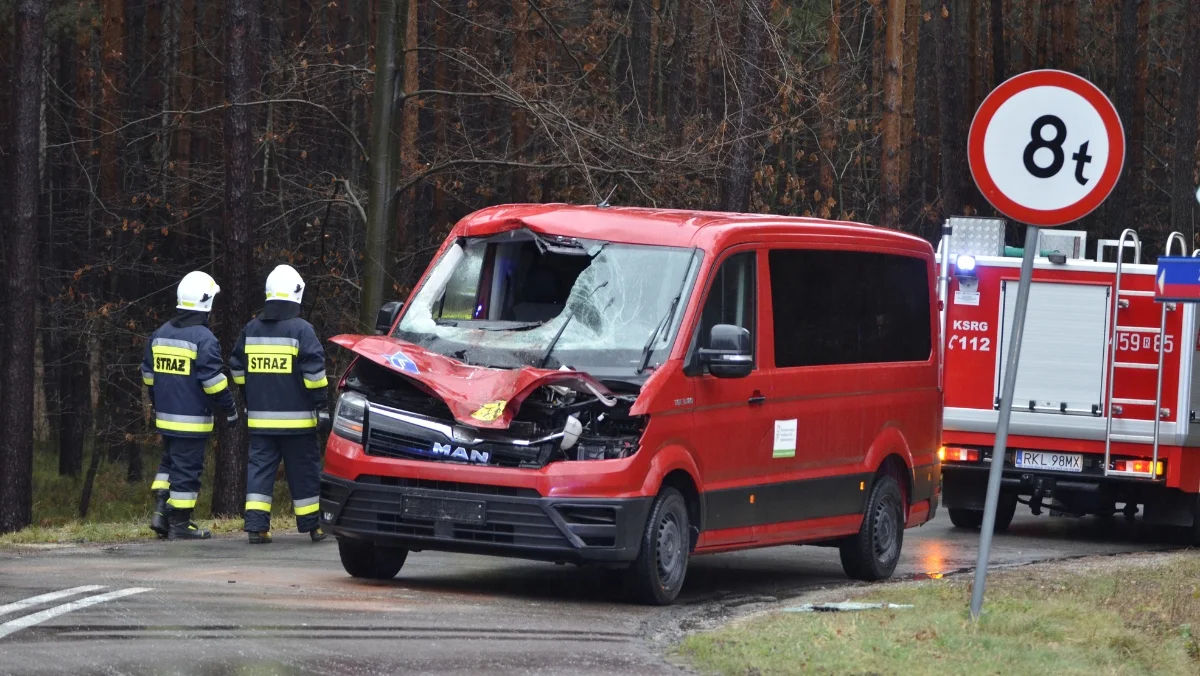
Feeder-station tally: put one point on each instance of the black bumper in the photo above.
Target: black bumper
(477, 519)
(964, 486)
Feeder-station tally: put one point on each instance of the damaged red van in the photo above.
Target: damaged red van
(631, 387)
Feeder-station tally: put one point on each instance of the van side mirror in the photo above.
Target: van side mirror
(730, 354)
(387, 317)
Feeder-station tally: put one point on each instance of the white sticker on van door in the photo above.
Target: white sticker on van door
(785, 439)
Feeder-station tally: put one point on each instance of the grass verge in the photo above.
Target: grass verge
(119, 510)
(1110, 616)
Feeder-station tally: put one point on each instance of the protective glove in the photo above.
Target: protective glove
(324, 421)
(231, 419)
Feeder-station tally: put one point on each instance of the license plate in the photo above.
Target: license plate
(444, 509)
(1058, 462)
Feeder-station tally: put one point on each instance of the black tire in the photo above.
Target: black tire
(966, 518)
(368, 560)
(873, 553)
(1006, 509)
(656, 577)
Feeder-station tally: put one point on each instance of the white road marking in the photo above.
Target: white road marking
(46, 598)
(50, 613)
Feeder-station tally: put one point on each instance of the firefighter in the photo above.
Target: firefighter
(182, 369)
(281, 366)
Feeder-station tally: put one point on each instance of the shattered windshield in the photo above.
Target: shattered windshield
(522, 298)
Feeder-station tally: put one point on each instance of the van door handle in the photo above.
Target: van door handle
(757, 399)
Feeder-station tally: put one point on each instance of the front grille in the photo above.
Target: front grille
(391, 438)
(507, 523)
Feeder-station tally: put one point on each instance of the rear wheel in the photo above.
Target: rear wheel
(1006, 509)
(966, 518)
(656, 577)
(368, 560)
(873, 553)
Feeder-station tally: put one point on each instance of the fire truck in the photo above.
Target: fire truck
(1107, 389)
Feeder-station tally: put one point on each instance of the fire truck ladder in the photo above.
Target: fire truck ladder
(1114, 404)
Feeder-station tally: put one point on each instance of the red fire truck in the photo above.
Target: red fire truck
(1104, 412)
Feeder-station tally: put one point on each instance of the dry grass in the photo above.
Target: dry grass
(1138, 617)
(119, 510)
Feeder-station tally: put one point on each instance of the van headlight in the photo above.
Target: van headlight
(350, 416)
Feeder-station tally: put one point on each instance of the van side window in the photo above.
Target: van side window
(848, 307)
(730, 297)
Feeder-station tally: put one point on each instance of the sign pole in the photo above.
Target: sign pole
(1006, 401)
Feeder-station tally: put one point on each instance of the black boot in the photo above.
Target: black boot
(158, 520)
(317, 534)
(182, 527)
(260, 537)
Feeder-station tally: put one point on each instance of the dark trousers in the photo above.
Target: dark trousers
(185, 464)
(301, 462)
(162, 478)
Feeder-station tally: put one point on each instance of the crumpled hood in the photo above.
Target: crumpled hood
(476, 395)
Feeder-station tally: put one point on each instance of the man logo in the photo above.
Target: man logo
(460, 453)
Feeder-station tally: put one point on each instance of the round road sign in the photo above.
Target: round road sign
(1046, 147)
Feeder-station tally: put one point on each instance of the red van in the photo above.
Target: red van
(630, 387)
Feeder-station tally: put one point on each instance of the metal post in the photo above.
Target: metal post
(943, 290)
(1006, 400)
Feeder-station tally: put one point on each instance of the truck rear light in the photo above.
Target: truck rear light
(1137, 466)
(954, 454)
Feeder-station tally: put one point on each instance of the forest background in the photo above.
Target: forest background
(142, 139)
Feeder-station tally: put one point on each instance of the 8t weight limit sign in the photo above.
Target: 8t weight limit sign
(1046, 148)
(1055, 145)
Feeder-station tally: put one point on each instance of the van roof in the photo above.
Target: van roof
(667, 227)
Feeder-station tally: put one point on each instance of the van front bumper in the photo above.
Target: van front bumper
(420, 514)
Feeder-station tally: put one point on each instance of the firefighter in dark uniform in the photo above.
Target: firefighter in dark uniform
(281, 366)
(182, 367)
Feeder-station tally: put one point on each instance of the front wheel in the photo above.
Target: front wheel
(368, 560)
(656, 576)
(872, 553)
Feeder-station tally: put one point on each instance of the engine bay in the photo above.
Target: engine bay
(551, 423)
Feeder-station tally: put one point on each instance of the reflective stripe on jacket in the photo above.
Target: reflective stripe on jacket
(182, 367)
(281, 366)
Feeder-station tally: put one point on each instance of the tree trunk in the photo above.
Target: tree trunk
(410, 115)
(379, 196)
(735, 189)
(949, 126)
(828, 108)
(997, 28)
(893, 83)
(681, 80)
(1131, 105)
(183, 99)
(908, 125)
(112, 58)
(77, 406)
(639, 60)
(1183, 162)
(241, 47)
(1029, 34)
(16, 430)
(522, 61)
(973, 11)
(1067, 49)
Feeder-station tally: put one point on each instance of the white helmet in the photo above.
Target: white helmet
(196, 292)
(284, 283)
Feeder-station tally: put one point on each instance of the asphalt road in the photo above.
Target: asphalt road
(223, 607)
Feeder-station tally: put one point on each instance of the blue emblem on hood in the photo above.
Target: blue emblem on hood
(401, 362)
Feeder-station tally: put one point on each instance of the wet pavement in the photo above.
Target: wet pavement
(223, 607)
